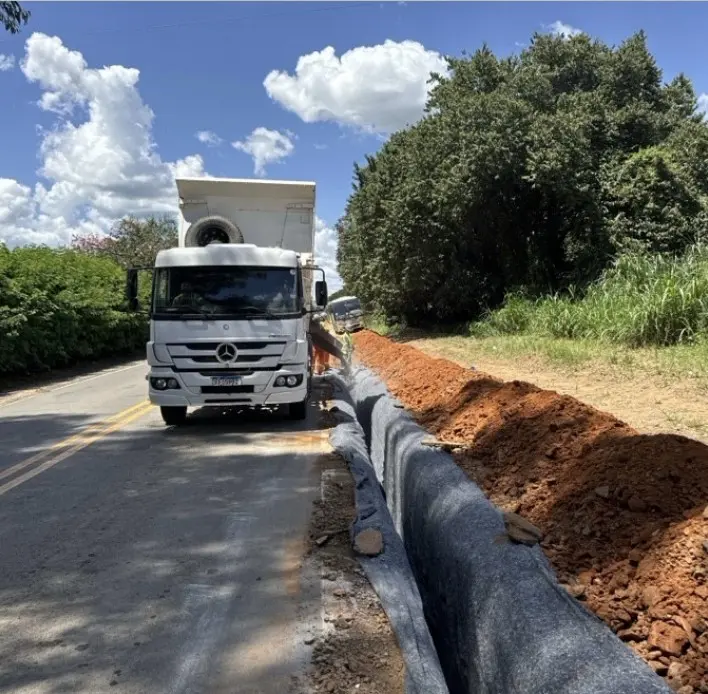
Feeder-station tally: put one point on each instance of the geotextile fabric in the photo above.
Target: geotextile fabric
(501, 622)
(389, 573)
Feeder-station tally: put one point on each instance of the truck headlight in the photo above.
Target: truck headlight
(289, 381)
(164, 383)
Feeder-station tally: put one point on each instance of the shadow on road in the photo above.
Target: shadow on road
(162, 559)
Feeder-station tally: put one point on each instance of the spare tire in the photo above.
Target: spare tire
(212, 229)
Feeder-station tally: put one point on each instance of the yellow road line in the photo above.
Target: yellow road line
(84, 439)
(37, 457)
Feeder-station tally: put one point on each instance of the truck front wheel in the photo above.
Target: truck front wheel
(173, 416)
(298, 410)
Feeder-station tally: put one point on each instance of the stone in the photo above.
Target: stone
(686, 626)
(620, 614)
(659, 668)
(676, 671)
(650, 596)
(635, 556)
(619, 580)
(603, 492)
(577, 590)
(585, 577)
(698, 624)
(369, 542)
(633, 633)
(520, 530)
(667, 638)
(637, 504)
(705, 512)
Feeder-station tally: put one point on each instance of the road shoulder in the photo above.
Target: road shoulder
(356, 650)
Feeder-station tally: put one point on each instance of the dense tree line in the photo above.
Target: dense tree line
(59, 306)
(528, 174)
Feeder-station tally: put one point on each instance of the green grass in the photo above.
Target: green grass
(677, 361)
(641, 301)
(377, 323)
(647, 314)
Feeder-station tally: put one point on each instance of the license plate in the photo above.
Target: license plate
(226, 380)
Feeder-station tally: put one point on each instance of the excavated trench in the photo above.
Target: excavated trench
(623, 516)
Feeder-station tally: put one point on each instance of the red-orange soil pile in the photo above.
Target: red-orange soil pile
(624, 515)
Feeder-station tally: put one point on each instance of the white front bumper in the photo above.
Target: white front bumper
(190, 392)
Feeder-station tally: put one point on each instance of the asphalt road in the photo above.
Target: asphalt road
(144, 559)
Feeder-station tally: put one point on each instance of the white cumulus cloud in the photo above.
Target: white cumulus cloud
(703, 104)
(99, 159)
(558, 28)
(266, 147)
(326, 254)
(7, 62)
(207, 137)
(378, 88)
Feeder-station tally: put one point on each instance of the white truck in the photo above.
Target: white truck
(230, 320)
(346, 314)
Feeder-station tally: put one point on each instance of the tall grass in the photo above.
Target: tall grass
(643, 300)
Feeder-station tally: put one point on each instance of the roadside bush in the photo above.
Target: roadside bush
(61, 306)
(641, 300)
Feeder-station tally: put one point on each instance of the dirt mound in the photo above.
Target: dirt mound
(625, 515)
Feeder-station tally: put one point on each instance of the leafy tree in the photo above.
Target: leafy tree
(528, 174)
(13, 16)
(62, 306)
(131, 242)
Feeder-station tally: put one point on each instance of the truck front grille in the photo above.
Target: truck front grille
(205, 359)
(205, 346)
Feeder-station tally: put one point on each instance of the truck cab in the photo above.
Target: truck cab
(232, 304)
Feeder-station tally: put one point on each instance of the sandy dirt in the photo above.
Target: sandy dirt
(652, 403)
(624, 514)
(358, 652)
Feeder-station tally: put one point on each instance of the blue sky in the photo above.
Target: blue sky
(202, 67)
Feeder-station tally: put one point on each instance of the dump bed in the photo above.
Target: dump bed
(268, 213)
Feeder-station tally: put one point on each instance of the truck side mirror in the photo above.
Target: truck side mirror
(321, 293)
(131, 290)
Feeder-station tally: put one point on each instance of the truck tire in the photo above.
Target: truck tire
(212, 228)
(173, 416)
(298, 410)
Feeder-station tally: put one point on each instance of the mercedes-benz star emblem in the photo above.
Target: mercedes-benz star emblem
(226, 353)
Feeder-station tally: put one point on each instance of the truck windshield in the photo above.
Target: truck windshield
(220, 290)
(340, 309)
